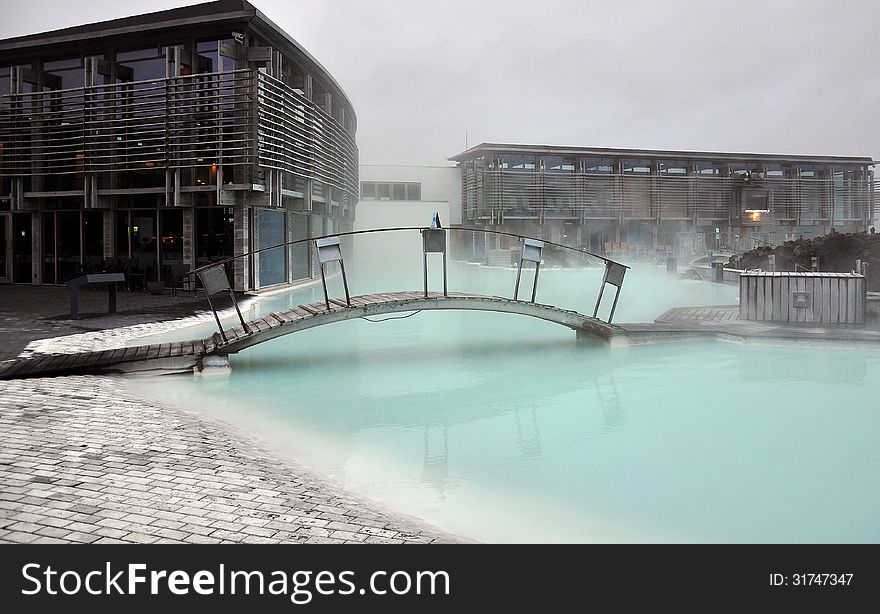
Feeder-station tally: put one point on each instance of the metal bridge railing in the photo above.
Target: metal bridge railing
(434, 240)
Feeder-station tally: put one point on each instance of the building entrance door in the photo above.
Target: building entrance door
(5, 248)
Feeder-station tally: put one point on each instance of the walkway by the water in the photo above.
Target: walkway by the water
(717, 312)
(33, 313)
(82, 461)
(722, 321)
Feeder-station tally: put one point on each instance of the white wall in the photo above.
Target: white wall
(400, 253)
(440, 184)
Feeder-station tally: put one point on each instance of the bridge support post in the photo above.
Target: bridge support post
(329, 251)
(215, 280)
(614, 273)
(531, 252)
(587, 337)
(434, 242)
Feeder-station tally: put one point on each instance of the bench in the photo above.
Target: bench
(95, 279)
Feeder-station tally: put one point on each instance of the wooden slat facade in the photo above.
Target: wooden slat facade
(829, 298)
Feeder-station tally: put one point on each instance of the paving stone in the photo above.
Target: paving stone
(82, 538)
(112, 468)
(141, 538)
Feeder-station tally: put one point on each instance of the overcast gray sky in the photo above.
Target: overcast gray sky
(776, 76)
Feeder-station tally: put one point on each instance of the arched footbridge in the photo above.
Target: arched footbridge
(309, 316)
(194, 354)
(178, 356)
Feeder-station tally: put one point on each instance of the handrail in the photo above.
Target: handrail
(394, 229)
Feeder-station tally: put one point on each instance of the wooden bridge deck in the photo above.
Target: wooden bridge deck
(182, 355)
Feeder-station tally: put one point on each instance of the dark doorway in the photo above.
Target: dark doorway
(22, 269)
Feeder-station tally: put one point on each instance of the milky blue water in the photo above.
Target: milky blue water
(501, 428)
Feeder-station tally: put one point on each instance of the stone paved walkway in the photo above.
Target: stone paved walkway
(82, 461)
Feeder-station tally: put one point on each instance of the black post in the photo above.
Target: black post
(445, 293)
(345, 283)
(614, 305)
(425, 270)
(535, 285)
(238, 311)
(216, 317)
(74, 302)
(324, 283)
(599, 300)
(111, 291)
(518, 275)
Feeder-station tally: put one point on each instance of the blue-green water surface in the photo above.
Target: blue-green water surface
(501, 428)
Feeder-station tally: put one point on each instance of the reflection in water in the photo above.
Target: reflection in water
(482, 423)
(435, 469)
(529, 435)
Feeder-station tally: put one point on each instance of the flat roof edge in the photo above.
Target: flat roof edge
(615, 151)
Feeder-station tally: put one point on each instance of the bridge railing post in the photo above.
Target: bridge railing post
(433, 242)
(215, 280)
(329, 251)
(614, 274)
(532, 250)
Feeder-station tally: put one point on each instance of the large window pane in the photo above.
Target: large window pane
(300, 251)
(143, 242)
(414, 191)
(93, 240)
(21, 248)
(122, 234)
(271, 226)
(368, 189)
(68, 245)
(214, 234)
(48, 243)
(171, 245)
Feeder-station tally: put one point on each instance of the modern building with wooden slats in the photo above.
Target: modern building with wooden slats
(637, 201)
(161, 142)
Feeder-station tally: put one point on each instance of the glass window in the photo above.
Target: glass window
(122, 234)
(630, 165)
(558, 164)
(517, 163)
(140, 65)
(399, 191)
(741, 169)
(93, 238)
(207, 58)
(672, 167)
(368, 189)
(384, 190)
(63, 74)
(21, 248)
(414, 191)
(5, 88)
(299, 256)
(214, 234)
(778, 171)
(271, 226)
(144, 241)
(67, 251)
(708, 168)
(171, 241)
(598, 165)
(48, 243)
